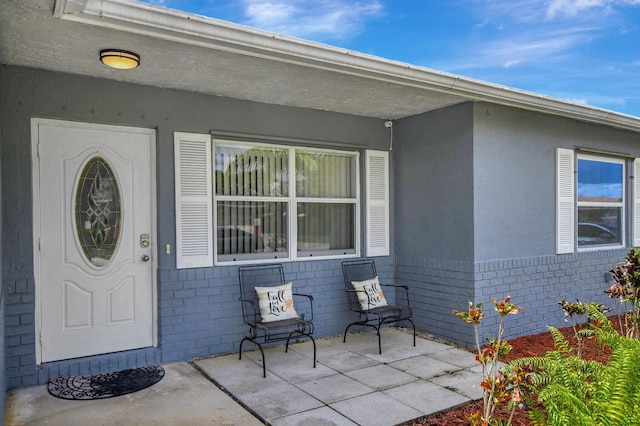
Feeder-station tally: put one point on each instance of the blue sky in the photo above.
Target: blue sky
(586, 51)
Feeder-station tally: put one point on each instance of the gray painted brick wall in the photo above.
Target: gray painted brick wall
(436, 288)
(198, 316)
(208, 321)
(20, 361)
(536, 284)
(199, 312)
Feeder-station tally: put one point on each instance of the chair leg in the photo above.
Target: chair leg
(312, 341)
(414, 331)
(264, 361)
(286, 348)
(241, 343)
(364, 324)
(264, 365)
(380, 322)
(344, 338)
(314, 350)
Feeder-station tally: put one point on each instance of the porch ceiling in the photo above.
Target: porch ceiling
(194, 53)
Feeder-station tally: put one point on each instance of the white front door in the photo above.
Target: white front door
(94, 238)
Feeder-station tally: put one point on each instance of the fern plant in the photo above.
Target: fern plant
(577, 392)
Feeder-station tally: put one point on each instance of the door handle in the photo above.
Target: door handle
(145, 257)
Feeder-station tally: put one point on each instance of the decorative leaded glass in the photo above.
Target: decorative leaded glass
(98, 211)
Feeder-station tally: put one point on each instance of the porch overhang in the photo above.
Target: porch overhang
(195, 53)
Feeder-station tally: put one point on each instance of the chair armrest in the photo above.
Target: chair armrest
(405, 287)
(250, 302)
(309, 298)
(252, 307)
(357, 291)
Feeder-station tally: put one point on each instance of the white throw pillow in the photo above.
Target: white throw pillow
(369, 293)
(276, 303)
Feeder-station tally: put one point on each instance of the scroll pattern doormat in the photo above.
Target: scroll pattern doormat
(106, 385)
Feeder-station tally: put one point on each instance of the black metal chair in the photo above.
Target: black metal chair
(365, 269)
(274, 330)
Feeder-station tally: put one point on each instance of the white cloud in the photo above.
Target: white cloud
(533, 46)
(532, 11)
(311, 18)
(570, 8)
(271, 13)
(512, 63)
(492, 11)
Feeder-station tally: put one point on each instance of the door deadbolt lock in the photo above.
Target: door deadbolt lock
(145, 258)
(144, 240)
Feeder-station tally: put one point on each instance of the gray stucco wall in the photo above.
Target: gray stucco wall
(435, 224)
(515, 214)
(514, 156)
(475, 203)
(473, 214)
(198, 311)
(434, 184)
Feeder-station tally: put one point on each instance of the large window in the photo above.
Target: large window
(274, 202)
(600, 199)
(593, 207)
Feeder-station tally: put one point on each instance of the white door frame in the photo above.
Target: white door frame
(35, 169)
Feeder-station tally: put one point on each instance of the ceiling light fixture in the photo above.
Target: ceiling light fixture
(119, 59)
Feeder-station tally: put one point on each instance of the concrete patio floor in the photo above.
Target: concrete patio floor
(351, 385)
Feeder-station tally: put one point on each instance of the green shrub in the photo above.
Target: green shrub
(576, 392)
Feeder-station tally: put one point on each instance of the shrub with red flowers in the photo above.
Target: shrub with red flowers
(626, 289)
(498, 387)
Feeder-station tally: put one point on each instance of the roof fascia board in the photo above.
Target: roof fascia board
(172, 25)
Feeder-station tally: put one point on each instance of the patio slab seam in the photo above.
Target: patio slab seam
(410, 393)
(200, 371)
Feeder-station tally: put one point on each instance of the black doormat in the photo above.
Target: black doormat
(106, 385)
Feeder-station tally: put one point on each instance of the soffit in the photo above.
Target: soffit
(188, 52)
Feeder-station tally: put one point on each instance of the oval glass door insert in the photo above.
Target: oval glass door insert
(98, 211)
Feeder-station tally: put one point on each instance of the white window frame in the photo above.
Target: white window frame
(567, 201)
(622, 204)
(292, 200)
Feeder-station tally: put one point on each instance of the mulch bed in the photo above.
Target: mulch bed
(525, 346)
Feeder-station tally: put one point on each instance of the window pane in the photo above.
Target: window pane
(251, 171)
(326, 227)
(325, 175)
(599, 181)
(98, 211)
(244, 228)
(599, 225)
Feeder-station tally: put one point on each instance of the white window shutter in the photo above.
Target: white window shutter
(194, 222)
(565, 207)
(636, 202)
(377, 203)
